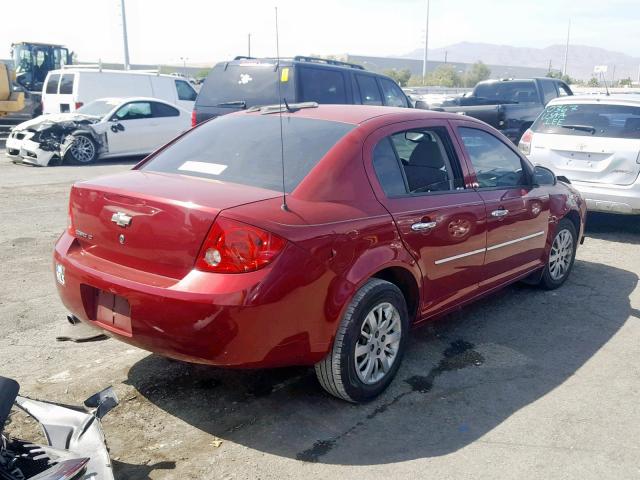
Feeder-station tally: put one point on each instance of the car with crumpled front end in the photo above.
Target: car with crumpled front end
(594, 141)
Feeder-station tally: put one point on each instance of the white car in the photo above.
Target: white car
(594, 141)
(108, 127)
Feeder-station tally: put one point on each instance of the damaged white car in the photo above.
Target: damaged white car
(104, 128)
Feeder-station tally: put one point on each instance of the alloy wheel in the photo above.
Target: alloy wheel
(378, 344)
(561, 254)
(83, 149)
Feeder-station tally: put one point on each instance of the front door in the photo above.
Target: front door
(517, 211)
(417, 176)
(130, 131)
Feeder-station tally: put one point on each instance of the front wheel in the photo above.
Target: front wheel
(561, 256)
(82, 151)
(369, 344)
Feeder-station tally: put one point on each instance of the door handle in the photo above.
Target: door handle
(422, 226)
(500, 213)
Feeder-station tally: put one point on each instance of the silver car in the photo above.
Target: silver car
(594, 141)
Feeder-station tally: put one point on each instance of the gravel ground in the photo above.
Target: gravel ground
(524, 383)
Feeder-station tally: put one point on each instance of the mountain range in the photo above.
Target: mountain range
(580, 63)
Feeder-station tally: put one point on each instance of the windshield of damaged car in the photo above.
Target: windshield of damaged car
(98, 108)
(246, 149)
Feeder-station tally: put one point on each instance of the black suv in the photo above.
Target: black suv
(247, 82)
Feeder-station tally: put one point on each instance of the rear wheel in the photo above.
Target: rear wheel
(561, 256)
(369, 344)
(83, 151)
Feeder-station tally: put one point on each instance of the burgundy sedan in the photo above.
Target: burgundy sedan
(235, 247)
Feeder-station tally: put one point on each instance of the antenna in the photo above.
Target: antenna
(284, 191)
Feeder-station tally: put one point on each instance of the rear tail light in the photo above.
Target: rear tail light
(78, 105)
(194, 121)
(236, 247)
(70, 226)
(525, 142)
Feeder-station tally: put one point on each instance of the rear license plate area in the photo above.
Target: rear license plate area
(113, 312)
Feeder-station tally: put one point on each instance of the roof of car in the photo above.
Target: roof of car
(615, 98)
(357, 114)
(133, 99)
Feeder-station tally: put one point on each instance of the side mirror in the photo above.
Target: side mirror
(543, 176)
(116, 127)
(422, 105)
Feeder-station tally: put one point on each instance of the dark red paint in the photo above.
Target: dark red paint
(339, 229)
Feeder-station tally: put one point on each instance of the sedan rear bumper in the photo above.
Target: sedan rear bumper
(253, 319)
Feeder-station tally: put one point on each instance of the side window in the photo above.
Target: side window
(548, 90)
(66, 83)
(163, 110)
(185, 92)
(496, 165)
(322, 85)
(387, 168)
(417, 161)
(134, 111)
(369, 93)
(393, 96)
(52, 83)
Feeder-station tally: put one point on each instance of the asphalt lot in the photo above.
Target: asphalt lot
(526, 383)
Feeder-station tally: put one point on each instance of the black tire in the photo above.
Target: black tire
(337, 372)
(549, 280)
(82, 156)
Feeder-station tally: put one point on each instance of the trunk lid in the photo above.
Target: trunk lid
(153, 222)
(588, 158)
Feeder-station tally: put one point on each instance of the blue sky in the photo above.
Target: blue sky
(208, 31)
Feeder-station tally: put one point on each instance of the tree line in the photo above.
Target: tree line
(445, 75)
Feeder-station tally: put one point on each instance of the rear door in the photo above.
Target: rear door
(589, 142)
(517, 213)
(322, 85)
(415, 170)
(59, 92)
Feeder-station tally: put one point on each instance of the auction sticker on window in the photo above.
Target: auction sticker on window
(203, 167)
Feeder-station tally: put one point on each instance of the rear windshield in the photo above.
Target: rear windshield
(508, 92)
(230, 85)
(246, 149)
(591, 120)
(52, 83)
(66, 83)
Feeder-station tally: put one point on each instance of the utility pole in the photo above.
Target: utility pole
(184, 65)
(446, 53)
(566, 50)
(549, 71)
(249, 46)
(426, 48)
(124, 36)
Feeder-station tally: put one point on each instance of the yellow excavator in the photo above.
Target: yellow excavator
(10, 100)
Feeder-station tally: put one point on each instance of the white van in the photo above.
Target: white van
(68, 89)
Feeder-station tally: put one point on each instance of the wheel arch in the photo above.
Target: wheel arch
(406, 281)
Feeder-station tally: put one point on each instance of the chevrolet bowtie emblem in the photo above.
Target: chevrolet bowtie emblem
(121, 219)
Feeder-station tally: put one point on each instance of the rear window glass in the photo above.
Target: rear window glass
(66, 83)
(507, 92)
(52, 84)
(253, 85)
(322, 86)
(246, 150)
(591, 120)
